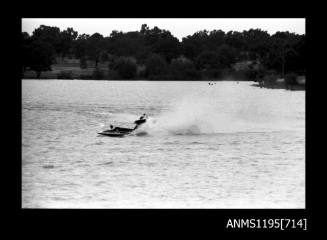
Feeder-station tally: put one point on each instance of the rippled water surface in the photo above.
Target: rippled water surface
(227, 145)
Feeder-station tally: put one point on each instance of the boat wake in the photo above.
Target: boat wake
(201, 115)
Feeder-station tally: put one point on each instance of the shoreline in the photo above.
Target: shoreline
(136, 80)
(278, 86)
(255, 84)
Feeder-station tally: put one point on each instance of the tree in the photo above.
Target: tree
(235, 39)
(95, 47)
(25, 44)
(156, 66)
(83, 63)
(41, 56)
(256, 41)
(151, 36)
(296, 58)
(216, 38)
(157, 49)
(192, 46)
(125, 67)
(208, 60)
(227, 56)
(80, 45)
(50, 35)
(98, 74)
(144, 29)
(125, 44)
(183, 69)
(67, 38)
(167, 46)
(158, 41)
(282, 46)
(290, 79)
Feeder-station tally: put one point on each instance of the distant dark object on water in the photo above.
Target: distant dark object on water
(48, 166)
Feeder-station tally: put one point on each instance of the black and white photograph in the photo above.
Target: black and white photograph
(163, 113)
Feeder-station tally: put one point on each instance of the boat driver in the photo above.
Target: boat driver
(143, 116)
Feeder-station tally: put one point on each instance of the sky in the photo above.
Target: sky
(179, 27)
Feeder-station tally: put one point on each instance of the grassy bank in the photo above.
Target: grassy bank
(67, 71)
(127, 69)
(71, 69)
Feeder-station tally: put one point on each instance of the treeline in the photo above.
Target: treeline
(157, 54)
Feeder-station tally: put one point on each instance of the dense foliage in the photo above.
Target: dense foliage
(160, 55)
(125, 67)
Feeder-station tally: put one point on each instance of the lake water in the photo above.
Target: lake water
(227, 145)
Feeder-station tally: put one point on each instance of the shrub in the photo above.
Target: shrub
(248, 74)
(155, 67)
(142, 74)
(270, 76)
(290, 79)
(65, 75)
(251, 74)
(212, 74)
(113, 75)
(83, 63)
(85, 76)
(125, 67)
(207, 60)
(98, 74)
(183, 70)
(227, 55)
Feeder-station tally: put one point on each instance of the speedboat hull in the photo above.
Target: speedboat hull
(112, 134)
(115, 133)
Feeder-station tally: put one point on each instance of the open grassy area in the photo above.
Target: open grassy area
(74, 68)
